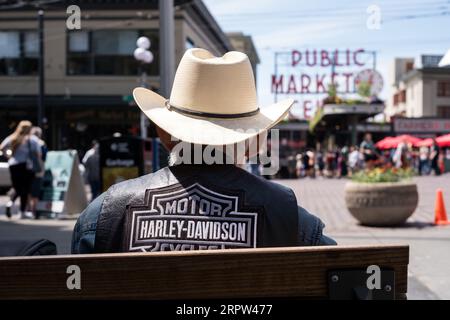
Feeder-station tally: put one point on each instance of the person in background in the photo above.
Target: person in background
(306, 163)
(368, 150)
(299, 166)
(401, 155)
(343, 162)
(353, 160)
(37, 180)
(311, 164)
(434, 158)
(91, 162)
(424, 160)
(320, 163)
(24, 147)
(386, 159)
(330, 164)
(291, 166)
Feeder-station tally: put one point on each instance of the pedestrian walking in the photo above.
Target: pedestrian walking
(36, 185)
(91, 162)
(23, 163)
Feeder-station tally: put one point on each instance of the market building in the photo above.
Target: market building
(420, 102)
(90, 73)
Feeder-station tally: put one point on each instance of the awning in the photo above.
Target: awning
(341, 114)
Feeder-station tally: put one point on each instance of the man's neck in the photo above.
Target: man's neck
(175, 159)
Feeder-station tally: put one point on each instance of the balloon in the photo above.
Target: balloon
(139, 54)
(144, 43)
(148, 57)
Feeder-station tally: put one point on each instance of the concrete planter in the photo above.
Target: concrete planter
(381, 204)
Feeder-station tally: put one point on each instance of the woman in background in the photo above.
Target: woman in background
(23, 147)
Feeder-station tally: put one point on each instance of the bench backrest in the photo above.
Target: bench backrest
(303, 272)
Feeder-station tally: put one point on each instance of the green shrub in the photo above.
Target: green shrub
(380, 175)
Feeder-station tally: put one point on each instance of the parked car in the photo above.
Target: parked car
(5, 179)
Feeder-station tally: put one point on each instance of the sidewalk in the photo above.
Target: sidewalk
(429, 245)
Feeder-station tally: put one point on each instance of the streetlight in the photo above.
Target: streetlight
(144, 56)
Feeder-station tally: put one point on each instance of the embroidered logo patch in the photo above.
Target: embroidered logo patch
(191, 217)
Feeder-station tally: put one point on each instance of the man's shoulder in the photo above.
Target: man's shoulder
(261, 183)
(266, 182)
(157, 178)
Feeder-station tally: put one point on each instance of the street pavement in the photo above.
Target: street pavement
(429, 264)
(429, 245)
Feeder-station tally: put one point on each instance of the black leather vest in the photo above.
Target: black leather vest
(190, 207)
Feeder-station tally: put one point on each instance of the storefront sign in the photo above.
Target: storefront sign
(62, 187)
(121, 158)
(374, 128)
(309, 73)
(410, 125)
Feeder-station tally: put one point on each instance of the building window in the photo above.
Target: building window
(402, 96)
(444, 112)
(19, 51)
(189, 43)
(109, 52)
(396, 96)
(443, 89)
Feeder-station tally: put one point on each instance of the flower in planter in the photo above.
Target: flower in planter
(385, 174)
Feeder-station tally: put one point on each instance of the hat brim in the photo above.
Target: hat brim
(208, 131)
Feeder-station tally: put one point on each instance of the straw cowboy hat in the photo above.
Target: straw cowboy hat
(213, 101)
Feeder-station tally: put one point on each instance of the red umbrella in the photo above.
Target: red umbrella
(424, 143)
(385, 143)
(409, 139)
(393, 142)
(443, 141)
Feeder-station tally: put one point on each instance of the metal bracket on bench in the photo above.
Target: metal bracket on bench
(352, 285)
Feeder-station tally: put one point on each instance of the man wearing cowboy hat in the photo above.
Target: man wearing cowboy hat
(200, 204)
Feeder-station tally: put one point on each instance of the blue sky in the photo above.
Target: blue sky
(408, 29)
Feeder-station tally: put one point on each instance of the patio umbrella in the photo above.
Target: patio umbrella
(424, 143)
(385, 143)
(443, 141)
(409, 139)
(393, 142)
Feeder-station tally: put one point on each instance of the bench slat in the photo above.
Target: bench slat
(273, 272)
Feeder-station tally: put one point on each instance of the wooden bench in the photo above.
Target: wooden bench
(338, 272)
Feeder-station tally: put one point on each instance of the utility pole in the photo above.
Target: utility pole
(167, 46)
(166, 58)
(40, 109)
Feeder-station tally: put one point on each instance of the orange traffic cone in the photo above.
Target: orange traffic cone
(440, 214)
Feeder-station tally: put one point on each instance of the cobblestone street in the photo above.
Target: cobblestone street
(429, 245)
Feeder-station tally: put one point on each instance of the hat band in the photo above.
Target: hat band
(202, 114)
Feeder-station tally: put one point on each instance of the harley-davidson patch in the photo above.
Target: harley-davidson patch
(191, 217)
